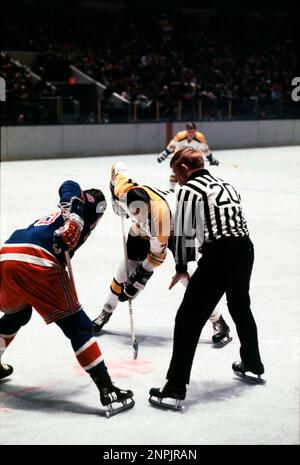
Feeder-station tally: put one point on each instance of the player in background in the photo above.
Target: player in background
(34, 274)
(190, 137)
(152, 232)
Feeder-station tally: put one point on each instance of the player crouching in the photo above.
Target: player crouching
(34, 274)
(151, 211)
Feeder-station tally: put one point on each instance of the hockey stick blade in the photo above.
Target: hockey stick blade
(135, 346)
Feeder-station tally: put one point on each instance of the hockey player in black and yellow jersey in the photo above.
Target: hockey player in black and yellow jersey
(151, 212)
(151, 234)
(190, 137)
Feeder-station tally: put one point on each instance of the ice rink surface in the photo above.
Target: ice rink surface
(50, 400)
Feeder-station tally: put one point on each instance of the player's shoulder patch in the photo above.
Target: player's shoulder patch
(181, 135)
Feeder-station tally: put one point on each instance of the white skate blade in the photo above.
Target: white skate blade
(254, 379)
(115, 408)
(159, 403)
(222, 343)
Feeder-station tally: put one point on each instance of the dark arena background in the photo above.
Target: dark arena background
(87, 83)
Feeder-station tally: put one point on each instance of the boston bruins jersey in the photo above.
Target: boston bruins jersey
(181, 140)
(159, 225)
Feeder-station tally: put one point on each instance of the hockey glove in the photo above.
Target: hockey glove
(136, 282)
(67, 236)
(212, 160)
(163, 155)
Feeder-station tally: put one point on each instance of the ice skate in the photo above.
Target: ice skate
(212, 160)
(5, 370)
(116, 400)
(250, 375)
(100, 321)
(169, 397)
(221, 333)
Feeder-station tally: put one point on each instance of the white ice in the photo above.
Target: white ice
(49, 400)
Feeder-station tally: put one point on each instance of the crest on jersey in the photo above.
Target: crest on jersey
(90, 197)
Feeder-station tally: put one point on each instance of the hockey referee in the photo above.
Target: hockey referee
(210, 209)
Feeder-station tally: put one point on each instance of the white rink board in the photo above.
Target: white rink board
(57, 141)
(48, 400)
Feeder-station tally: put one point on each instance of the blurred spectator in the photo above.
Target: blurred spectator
(91, 118)
(168, 58)
(21, 118)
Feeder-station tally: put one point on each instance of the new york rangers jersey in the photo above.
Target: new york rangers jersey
(34, 244)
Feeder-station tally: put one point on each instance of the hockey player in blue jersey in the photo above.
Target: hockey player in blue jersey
(33, 274)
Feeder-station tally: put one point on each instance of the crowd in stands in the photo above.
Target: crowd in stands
(166, 58)
(21, 84)
(22, 88)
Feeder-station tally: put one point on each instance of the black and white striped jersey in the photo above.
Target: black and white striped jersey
(208, 209)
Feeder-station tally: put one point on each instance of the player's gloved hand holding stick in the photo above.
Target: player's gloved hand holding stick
(67, 236)
(135, 283)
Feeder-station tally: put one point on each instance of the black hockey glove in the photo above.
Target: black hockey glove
(136, 282)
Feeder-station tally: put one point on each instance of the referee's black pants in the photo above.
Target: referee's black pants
(225, 267)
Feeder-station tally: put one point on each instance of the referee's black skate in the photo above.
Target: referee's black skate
(252, 375)
(169, 397)
(100, 321)
(116, 400)
(5, 370)
(221, 333)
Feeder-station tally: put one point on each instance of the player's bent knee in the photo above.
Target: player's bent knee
(74, 324)
(12, 322)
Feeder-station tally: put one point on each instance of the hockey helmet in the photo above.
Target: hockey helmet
(94, 206)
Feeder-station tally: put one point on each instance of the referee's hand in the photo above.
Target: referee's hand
(178, 277)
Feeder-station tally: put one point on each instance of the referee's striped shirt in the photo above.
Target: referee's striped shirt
(208, 209)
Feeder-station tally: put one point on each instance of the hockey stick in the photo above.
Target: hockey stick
(230, 164)
(134, 341)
